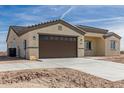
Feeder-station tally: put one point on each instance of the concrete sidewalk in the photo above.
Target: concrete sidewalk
(104, 69)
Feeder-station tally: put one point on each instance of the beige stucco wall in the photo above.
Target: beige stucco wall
(108, 50)
(98, 44)
(33, 45)
(89, 34)
(12, 41)
(21, 46)
(18, 43)
(100, 50)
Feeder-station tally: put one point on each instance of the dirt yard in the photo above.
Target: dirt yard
(54, 78)
(118, 59)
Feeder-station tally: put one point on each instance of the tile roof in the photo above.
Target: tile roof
(92, 29)
(20, 30)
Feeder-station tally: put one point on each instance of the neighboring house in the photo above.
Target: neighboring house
(61, 39)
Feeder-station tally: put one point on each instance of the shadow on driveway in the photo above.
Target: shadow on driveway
(6, 58)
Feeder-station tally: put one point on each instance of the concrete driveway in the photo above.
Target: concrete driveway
(104, 69)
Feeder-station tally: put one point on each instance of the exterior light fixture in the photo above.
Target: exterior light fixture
(34, 37)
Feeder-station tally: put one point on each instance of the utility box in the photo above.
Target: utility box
(12, 52)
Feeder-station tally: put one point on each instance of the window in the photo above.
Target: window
(61, 38)
(60, 28)
(113, 44)
(51, 38)
(88, 45)
(56, 38)
(66, 38)
(44, 38)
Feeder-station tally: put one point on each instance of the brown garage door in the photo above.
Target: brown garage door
(57, 46)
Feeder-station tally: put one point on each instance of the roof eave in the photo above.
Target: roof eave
(117, 36)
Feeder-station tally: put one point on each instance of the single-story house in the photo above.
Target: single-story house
(58, 38)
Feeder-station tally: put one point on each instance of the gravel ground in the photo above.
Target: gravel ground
(54, 78)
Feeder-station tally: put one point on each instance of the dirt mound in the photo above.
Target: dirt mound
(66, 78)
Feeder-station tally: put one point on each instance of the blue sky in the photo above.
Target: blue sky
(108, 17)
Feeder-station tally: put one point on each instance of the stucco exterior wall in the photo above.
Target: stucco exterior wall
(17, 42)
(89, 34)
(100, 50)
(13, 41)
(108, 50)
(11, 38)
(24, 53)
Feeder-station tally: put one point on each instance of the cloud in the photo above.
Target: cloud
(27, 16)
(3, 35)
(99, 20)
(40, 13)
(40, 9)
(66, 12)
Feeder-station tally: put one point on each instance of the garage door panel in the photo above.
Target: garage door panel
(57, 47)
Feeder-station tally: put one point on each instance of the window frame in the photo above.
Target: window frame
(112, 44)
(88, 45)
